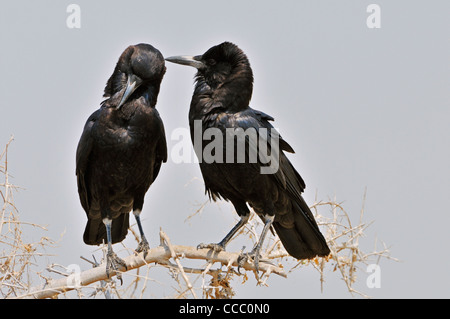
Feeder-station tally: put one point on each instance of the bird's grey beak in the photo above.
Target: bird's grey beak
(194, 61)
(132, 84)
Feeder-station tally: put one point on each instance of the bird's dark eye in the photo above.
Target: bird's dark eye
(211, 62)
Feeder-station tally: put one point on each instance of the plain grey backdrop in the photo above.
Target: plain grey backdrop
(363, 108)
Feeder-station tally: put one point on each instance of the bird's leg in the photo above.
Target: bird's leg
(112, 260)
(143, 244)
(254, 254)
(221, 245)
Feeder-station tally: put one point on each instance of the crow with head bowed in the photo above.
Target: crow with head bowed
(121, 150)
(223, 89)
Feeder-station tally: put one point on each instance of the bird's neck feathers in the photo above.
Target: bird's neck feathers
(147, 94)
(231, 94)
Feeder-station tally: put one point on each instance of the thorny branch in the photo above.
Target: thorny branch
(17, 255)
(161, 255)
(343, 239)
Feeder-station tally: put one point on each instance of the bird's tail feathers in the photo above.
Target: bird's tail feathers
(95, 231)
(302, 239)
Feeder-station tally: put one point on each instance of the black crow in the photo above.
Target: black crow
(223, 89)
(121, 150)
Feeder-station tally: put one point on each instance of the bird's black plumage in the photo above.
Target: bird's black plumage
(122, 147)
(224, 84)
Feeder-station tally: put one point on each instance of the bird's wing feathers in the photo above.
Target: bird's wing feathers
(286, 175)
(264, 119)
(83, 152)
(161, 151)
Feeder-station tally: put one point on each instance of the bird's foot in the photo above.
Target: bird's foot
(253, 256)
(143, 247)
(215, 247)
(114, 262)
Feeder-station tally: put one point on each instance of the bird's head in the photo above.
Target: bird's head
(222, 64)
(140, 65)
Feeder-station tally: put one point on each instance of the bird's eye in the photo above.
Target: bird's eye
(211, 62)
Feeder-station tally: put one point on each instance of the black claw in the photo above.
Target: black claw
(119, 276)
(114, 262)
(215, 247)
(242, 259)
(143, 247)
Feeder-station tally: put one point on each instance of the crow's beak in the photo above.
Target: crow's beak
(195, 61)
(132, 84)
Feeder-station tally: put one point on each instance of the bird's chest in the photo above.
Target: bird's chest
(123, 144)
(122, 132)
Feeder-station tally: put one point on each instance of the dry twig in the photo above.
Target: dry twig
(343, 237)
(160, 255)
(17, 255)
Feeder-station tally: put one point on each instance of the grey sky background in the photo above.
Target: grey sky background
(363, 108)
